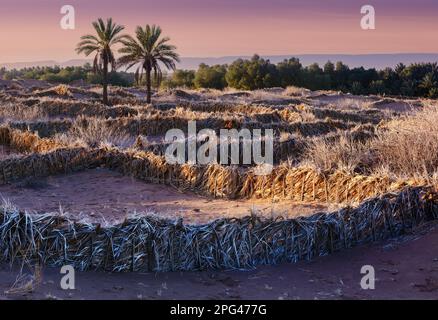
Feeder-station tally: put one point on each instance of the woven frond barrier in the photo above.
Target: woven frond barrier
(232, 182)
(284, 182)
(56, 107)
(358, 116)
(222, 107)
(59, 161)
(150, 243)
(25, 141)
(71, 108)
(263, 114)
(44, 129)
(158, 122)
(283, 150)
(159, 125)
(288, 113)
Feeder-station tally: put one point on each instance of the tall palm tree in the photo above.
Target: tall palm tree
(148, 51)
(107, 35)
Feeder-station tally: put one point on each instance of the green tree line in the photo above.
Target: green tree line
(68, 75)
(420, 79)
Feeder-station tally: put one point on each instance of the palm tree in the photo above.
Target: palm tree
(148, 51)
(101, 45)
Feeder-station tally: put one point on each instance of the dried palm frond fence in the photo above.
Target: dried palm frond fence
(25, 141)
(284, 182)
(158, 125)
(260, 113)
(289, 113)
(54, 108)
(149, 243)
(159, 122)
(73, 108)
(61, 90)
(264, 114)
(210, 106)
(288, 149)
(246, 109)
(43, 128)
(358, 116)
(59, 161)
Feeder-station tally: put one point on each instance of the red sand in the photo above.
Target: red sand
(405, 269)
(102, 193)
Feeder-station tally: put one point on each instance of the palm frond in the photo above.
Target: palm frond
(107, 35)
(148, 48)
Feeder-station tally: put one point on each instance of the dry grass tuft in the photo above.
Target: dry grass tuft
(26, 283)
(95, 133)
(62, 90)
(343, 153)
(296, 91)
(408, 146)
(15, 111)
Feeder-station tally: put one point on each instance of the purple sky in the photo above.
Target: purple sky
(29, 29)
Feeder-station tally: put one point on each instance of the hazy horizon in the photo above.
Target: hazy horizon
(377, 61)
(210, 28)
(241, 55)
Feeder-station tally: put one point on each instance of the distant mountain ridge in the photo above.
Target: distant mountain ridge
(378, 61)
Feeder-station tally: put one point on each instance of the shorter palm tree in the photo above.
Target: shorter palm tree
(107, 36)
(148, 51)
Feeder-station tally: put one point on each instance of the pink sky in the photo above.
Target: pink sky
(30, 31)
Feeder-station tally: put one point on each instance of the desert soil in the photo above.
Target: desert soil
(406, 268)
(101, 194)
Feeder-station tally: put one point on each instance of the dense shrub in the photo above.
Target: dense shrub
(210, 77)
(180, 78)
(256, 73)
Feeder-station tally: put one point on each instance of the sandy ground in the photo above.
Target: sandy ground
(344, 101)
(406, 268)
(104, 194)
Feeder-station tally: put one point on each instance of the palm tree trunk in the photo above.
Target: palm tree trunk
(105, 81)
(148, 84)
